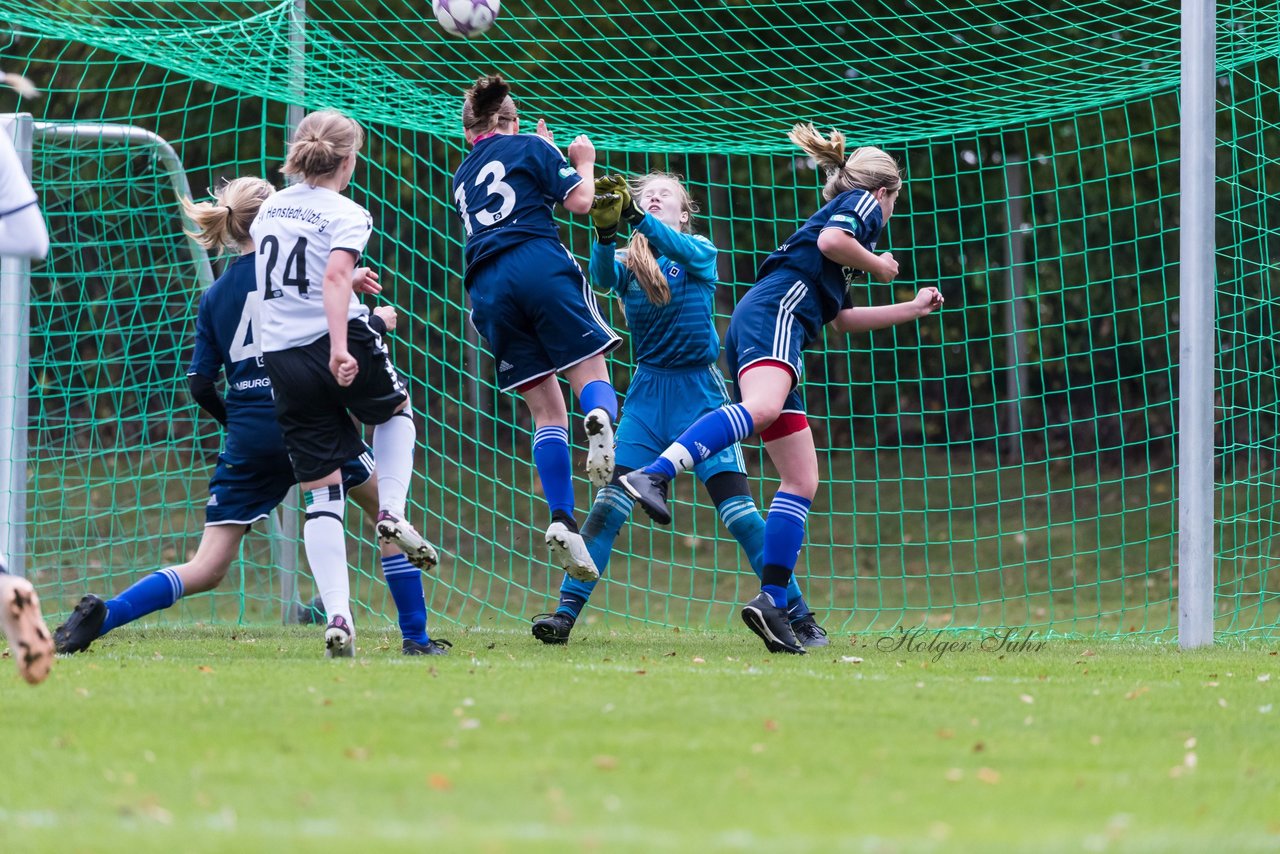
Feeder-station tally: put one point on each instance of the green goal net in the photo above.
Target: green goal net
(1009, 462)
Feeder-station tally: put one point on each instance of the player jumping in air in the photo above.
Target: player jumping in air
(22, 235)
(529, 299)
(253, 473)
(800, 287)
(327, 364)
(666, 278)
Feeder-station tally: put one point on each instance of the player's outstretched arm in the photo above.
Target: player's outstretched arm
(863, 319)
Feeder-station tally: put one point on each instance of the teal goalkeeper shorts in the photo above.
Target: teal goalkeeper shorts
(661, 403)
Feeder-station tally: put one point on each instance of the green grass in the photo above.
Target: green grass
(243, 738)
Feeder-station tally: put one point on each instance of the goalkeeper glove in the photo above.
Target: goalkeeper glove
(630, 210)
(606, 209)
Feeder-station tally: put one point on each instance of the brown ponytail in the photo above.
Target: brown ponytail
(487, 105)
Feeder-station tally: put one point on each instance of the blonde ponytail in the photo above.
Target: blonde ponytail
(320, 144)
(225, 222)
(867, 168)
(640, 260)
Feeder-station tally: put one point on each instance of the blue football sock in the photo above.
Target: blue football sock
(775, 593)
(570, 603)
(784, 529)
(598, 394)
(608, 514)
(555, 467)
(705, 438)
(740, 516)
(405, 581)
(157, 591)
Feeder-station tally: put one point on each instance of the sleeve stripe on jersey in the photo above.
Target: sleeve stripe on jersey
(864, 207)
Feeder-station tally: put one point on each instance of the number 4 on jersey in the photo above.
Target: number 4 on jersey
(244, 344)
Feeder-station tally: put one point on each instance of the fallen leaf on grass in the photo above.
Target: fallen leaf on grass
(204, 668)
(697, 660)
(953, 775)
(946, 733)
(1137, 692)
(359, 754)
(605, 762)
(770, 725)
(851, 659)
(990, 776)
(1027, 698)
(440, 782)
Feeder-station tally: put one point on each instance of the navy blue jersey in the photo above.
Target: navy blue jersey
(505, 192)
(855, 211)
(680, 334)
(226, 341)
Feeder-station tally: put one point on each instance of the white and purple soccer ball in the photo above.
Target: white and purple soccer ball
(465, 18)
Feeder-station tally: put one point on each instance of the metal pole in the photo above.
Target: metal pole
(15, 353)
(1016, 320)
(1196, 312)
(168, 159)
(285, 533)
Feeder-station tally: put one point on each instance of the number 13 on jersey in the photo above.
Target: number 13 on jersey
(493, 172)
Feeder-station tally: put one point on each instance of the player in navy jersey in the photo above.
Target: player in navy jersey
(529, 299)
(666, 278)
(800, 287)
(253, 473)
(22, 235)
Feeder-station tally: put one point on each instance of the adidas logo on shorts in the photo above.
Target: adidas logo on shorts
(504, 365)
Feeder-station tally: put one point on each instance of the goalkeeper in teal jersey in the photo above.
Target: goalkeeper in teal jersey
(666, 279)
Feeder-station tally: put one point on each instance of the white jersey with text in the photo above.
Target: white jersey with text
(293, 236)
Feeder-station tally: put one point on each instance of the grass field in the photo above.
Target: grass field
(243, 738)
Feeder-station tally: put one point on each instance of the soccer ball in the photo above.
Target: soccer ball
(465, 18)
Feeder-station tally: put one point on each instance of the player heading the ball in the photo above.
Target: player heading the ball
(529, 299)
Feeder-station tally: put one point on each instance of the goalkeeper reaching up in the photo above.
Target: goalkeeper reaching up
(666, 279)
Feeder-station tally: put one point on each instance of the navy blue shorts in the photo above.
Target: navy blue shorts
(536, 312)
(246, 489)
(661, 403)
(766, 326)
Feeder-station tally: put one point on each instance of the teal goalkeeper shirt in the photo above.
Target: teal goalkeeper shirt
(680, 334)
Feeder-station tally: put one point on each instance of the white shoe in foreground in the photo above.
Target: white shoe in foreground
(339, 639)
(569, 552)
(599, 447)
(30, 643)
(395, 530)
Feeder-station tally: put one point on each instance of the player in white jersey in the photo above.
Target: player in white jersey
(22, 235)
(326, 364)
